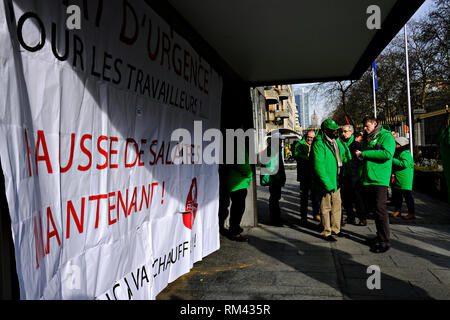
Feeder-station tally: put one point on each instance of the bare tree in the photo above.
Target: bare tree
(428, 46)
(336, 94)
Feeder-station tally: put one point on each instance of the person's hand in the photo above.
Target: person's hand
(358, 154)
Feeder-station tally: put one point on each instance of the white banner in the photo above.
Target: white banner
(98, 209)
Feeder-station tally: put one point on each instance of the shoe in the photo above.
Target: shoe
(362, 222)
(409, 216)
(372, 241)
(224, 232)
(233, 231)
(340, 235)
(239, 238)
(330, 238)
(317, 218)
(379, 248)
(396, 214)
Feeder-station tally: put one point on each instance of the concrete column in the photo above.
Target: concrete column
(250, 218)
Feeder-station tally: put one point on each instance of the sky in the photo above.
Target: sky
(319, 104)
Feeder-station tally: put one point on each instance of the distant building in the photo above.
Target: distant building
(302, 101)
(289, 106)
(314, 120)
(274, 108)
(297, 126)
(299, 112)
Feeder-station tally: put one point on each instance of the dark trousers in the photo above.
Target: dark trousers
(353, 197)
(305, 193)
(376, 197)
(237, 210)
(397, 200)
(274, 202)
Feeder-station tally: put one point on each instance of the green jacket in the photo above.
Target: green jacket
(325, 164)
(377, 159)
(403, 169)
(445, 153)
(278, 177)
(346, 158)
(301, 150)
(239, 176)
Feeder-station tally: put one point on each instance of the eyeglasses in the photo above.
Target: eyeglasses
(309, 137)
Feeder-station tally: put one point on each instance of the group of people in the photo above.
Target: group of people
(335, 169)
(354, 171)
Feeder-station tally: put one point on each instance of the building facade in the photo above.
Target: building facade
(289, 106)
(274, 107)
(302, 100)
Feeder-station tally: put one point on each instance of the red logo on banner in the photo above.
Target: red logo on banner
(191, 205)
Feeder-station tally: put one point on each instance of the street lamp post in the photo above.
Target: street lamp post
(374, 95)
(409, 97)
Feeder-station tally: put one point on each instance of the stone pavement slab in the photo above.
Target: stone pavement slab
(294, 263)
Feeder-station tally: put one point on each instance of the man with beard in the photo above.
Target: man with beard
(377, 152)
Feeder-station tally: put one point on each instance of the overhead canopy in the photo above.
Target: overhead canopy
(291, 41)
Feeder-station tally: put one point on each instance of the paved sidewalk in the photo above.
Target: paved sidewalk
(293, 262)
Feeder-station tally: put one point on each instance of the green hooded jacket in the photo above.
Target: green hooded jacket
(325, 164)
(403, 169)
(275, 169)
(445, 153)
(239, 176)
(301, 150)
(280, 176)
(377, 159)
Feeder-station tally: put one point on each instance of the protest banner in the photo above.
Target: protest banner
(98, 208)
